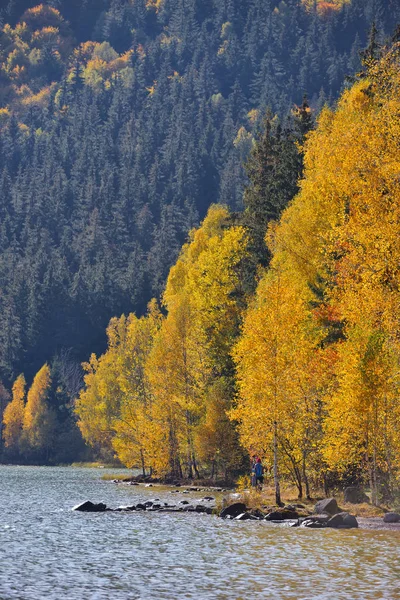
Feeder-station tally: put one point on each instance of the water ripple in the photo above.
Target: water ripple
(47, 551)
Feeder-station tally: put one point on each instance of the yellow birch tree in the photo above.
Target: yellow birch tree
(13, 417)
(39, 419)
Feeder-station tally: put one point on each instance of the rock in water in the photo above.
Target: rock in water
(320, 519)
(349, 522)
(90, 507)
(233, 510)
(355, 495)
(246, 517)
(328, 506)
(311, 524)
(282, 515)
(342, 521)
(391, 517)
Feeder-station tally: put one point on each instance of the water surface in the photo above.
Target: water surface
(49, 552)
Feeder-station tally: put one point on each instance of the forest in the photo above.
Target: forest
(188, 165)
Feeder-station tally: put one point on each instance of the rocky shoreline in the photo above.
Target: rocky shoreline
(326, 514)
(155, 505)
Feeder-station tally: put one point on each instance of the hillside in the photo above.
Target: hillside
(120, 123)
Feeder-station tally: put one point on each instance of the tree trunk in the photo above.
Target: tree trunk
(372, 480)
(387, 446)
(326, 487)
(276, 473)
(143, 465)
(196, 471)
(305, 478)
(299, 483)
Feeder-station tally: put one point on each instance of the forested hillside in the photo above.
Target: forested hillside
(120, 122)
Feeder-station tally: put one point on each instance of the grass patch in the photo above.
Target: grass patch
(118, 476)
(363, 510)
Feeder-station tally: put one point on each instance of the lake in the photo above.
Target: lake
(47, 551)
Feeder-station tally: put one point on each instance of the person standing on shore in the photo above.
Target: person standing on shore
(259, 474)
(253, 470)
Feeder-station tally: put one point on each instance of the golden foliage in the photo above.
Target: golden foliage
(13, 417)
(253, 115)
(39, 419)
(115, 407)
(325, 7)
(154, 4)
(337, 249)
(22, 55)
(4, 116)
(195, 341)
(102, 64)
(280, 374)
(42, 16)
(41, 99)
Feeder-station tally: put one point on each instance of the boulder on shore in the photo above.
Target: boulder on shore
(342, 521)
(90, 507)
(391, 517)
(233, 510)
(328, 506)
(355, 495)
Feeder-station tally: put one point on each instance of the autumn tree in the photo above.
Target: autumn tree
(115, 408)
(39, 424)
(279, 379)
(13, 415)
(99, 401)
(139, 434)
(160, 394)
(173, 369)
(205, 298)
